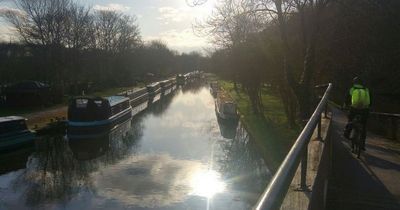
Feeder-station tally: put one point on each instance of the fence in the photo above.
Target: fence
(274, 194)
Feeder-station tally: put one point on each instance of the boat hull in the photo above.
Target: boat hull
(18, 140)
(94, 128)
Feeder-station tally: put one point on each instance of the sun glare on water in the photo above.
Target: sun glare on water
(207, 183)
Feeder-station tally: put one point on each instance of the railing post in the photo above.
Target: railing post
(326, 111)
(319, 128)
(303, 178)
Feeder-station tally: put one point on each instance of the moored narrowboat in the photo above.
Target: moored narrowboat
(180, 79)
(87, 114)
(165, 84)
(153, 89)
(225, 108)
(14, 133)
(172, 80)
(136, 96)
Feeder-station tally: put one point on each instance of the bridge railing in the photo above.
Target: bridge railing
(274, 194)
(385, 123)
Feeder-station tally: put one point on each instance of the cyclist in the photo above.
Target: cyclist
(360, 102)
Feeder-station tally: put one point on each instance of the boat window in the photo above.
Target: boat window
(81, 103)
(12, 126)
(99, 103)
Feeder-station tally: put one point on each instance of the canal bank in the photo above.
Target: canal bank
(269, 129)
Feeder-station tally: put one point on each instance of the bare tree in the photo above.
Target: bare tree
(231, 23)
(41, 21)
(80, 33)
(278, 12)
(129, 33)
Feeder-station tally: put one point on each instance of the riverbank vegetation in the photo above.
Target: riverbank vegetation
(76, 48)
(269, 127)
(294, 45)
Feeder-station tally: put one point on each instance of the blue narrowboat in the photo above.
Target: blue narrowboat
(86, 114)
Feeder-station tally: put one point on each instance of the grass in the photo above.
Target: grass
(269, 129)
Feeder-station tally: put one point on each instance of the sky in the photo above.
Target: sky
(168, 20)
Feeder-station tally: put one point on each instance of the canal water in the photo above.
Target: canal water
(175, 154)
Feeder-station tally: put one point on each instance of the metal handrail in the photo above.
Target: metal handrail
(274, 194)
(386, 114)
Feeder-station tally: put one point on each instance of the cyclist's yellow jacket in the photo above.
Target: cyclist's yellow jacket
(360, 98)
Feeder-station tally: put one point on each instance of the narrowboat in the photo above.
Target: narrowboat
(188, 76)
(136, 96)
(14, 133)
(91, 114)
(225, 108)
(180, 79)
(173, 81)
(153, 89)
(165, 84)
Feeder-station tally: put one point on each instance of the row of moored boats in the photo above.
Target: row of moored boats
(88, 114)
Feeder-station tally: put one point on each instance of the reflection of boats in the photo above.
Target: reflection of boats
(94, 113)
(15, 160)
(153, 89)
(136, 96)
(14, 133)
(90, 147)
(225, 107)
(228, 127)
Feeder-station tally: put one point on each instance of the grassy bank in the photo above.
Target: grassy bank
(270, 129)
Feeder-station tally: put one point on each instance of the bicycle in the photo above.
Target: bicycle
(356, 135)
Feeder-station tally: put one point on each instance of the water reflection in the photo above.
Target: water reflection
(245, 168)
(227, 127)
(15, 160)
(171, 156)
(206, 183)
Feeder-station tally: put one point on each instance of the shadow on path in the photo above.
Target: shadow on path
(361, 183)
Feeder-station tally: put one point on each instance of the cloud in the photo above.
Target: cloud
(182, 40)
(112, 7)
(7, 31)
(170, 14)
(4, 10)
(160, 180)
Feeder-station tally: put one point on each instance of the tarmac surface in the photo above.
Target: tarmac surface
(369, 183)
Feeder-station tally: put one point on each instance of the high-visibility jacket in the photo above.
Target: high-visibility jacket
(360, 98)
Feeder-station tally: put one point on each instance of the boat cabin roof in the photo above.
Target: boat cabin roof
(154, 84)
(10, 118)
(112, 100)
(116, 99)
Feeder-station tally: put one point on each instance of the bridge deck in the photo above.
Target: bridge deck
(372, 182)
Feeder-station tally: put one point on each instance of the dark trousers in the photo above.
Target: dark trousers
(363, 113)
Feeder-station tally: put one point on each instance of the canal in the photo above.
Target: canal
(175, 154)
